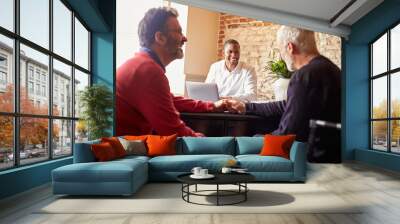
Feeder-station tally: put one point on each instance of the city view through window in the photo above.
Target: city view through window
(385, 94)
(39, 112)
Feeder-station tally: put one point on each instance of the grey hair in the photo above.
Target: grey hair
(303, 39)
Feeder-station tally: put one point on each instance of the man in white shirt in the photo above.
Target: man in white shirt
(235, 80)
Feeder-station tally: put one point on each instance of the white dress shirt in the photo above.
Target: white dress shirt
(241, 83)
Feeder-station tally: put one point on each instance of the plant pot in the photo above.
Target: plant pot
(280, 87)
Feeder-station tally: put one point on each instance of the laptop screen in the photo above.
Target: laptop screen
(202, 91)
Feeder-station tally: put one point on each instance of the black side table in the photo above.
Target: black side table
(238, 179)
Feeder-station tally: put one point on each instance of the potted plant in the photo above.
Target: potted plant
(96, 102)
(282, 78)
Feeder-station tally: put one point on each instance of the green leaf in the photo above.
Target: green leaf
(96, 102)
(278, 68)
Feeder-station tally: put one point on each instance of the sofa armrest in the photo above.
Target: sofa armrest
(83, 152)
(298, 157)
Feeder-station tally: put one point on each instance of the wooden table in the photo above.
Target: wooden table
(226, 124)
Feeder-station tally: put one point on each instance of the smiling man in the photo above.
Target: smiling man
(145, 104)
(234, 78)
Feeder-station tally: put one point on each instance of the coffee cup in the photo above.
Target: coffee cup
(226, 170)
(203, 172)
(196, 170)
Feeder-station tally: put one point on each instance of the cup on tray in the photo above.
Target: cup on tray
(196, 170)
(226, 170)
(203, 172)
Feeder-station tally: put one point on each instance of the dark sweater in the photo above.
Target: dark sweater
(313, 93)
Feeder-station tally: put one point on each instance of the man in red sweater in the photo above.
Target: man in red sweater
(145, 104)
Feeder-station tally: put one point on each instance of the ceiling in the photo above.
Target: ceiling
(327, 16)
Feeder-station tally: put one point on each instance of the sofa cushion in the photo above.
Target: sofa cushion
(185, 163)
(118, 177)
(83, 153)
(135, 137)
(132, 158)
(249, 145)
(277, 145)
(112, 171)
(161, 145)
(209, 145)
(116, 144)
(134, 147)
(257, 163)
(103, 152)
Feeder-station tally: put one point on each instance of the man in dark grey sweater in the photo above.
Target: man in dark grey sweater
(313, 93)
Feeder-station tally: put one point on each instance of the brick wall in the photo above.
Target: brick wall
(258, 46)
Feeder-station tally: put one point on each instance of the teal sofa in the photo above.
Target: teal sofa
(125, 176)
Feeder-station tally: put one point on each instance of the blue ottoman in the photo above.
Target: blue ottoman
(119, 177)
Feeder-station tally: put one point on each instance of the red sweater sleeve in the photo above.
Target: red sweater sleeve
(189, 105)
(157, 104)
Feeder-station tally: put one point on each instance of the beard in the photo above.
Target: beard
(179, 53)
(175, 48)
(289, 62)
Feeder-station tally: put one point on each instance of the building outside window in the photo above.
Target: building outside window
(38, 89)
(3, 78)
(34, 75)
(43, 90)
(55, 97)
(37, 75)
(44, 77)
(3, 61)
(385, 92)
(3, 72)
(30, 87)
(30, 72)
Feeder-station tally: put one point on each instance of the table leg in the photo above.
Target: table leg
(245, 191)
(217, 194)
(182, 190)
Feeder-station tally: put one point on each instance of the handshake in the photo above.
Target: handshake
(228, 104)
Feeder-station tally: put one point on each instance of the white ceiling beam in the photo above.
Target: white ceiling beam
(348, 12)
(269, 15)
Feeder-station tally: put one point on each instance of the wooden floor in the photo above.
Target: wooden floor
(378, 189)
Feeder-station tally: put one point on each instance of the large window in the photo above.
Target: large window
(385, 92)
(44, 64)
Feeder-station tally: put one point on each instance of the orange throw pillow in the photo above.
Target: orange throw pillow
(134, 137)
(103, 152)
(161, 145)
(116, 145)
(277, 145)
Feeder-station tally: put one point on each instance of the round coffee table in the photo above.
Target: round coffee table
(238, 179)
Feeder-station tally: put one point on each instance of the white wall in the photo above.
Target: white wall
(201, 48)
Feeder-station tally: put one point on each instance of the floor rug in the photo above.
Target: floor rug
(167, 198)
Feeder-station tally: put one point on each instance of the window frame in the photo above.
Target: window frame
(16, 114)
(388, 74)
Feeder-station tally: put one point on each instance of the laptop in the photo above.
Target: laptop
(202, 91)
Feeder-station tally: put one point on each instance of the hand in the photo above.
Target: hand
(236, 106)
(220, 106)
(199, 134)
